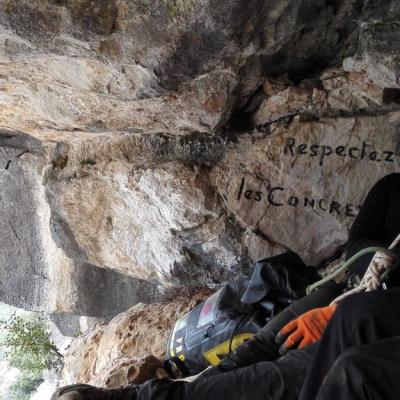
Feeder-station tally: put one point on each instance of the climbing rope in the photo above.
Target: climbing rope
(376, 272)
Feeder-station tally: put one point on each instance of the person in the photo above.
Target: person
(294, 354)
(368, 321)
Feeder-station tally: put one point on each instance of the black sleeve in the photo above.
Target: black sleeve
(262, 346)
(369, 227)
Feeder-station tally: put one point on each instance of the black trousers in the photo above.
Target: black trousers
(279, 380)
(361, 320)
(254, 371)
(363, 372)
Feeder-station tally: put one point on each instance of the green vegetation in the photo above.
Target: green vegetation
(29, 349)
(27, 343)
(23, 388)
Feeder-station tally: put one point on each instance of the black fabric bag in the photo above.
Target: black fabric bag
(279, 280)
(234, 313)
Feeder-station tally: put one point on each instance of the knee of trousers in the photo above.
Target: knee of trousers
(351, 366)
(345, 378)
(163, 389)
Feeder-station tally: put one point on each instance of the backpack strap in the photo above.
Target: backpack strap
(175, 367)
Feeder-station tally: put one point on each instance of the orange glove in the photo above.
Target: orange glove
(306, 329)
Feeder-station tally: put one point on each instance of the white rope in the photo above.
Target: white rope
(373, 276)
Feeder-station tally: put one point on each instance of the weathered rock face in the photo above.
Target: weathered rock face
(130, 349)
(181, 40)
(144, 143)
(311, 178)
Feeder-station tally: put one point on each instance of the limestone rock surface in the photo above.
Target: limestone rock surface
(130, 348)
(145, 143)
(311, 178)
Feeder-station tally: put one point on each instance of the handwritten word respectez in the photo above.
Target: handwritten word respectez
(364, 151)
(276, 196)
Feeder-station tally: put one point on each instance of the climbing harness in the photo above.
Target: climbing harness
(377, 270)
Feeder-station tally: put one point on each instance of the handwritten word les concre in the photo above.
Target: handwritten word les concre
(278, 196)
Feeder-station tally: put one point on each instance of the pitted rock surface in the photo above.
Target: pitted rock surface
(130, 348)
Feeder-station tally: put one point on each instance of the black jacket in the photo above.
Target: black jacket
(378, 222)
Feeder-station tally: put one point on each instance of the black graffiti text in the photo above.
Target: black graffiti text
(278, 196)
(364, 151)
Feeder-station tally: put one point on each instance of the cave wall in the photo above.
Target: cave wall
(148, 143)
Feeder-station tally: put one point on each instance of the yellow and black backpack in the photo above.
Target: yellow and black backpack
(234, 313)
